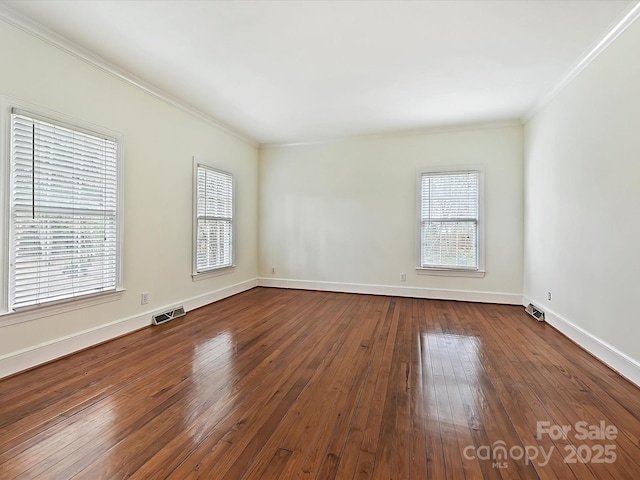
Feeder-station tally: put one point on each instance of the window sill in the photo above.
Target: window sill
(33, 313)
(450, 272)
(212, 273)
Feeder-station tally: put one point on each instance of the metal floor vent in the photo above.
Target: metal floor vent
(535, 312)
(161, 318)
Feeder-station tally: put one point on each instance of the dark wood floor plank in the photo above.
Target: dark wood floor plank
(365, 466)
(296, 384)
(401, 453)
(559, 378)
(554, 390)
(329, 463)
(146, 397)
(258, 442)
(417, 449)
(523, 404)
(325, 451)
(374, 421)
(348, 461)
(222, 385)
(276, 466)
(317, 409)
(434, 445)
(468, 429)
(72, 392)
(290, 375)
(556, 397)
(43, 378)
(393, 380)
(449, 416)
(485, 411)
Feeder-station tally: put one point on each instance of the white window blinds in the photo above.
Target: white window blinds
(449, 220)
(63, 212)
(214, 219)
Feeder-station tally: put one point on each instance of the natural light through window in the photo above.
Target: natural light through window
(449, 236)
(64, 212)
(213, 219)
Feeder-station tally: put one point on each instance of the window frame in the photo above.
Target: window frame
(223, 269)
(480, 247)
(10, 316)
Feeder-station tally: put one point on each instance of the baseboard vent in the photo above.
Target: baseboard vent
(535, 312)
(161, 318)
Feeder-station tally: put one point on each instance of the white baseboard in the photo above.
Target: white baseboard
(217, 295)
(24, 359)
(611, 356)
(391, 290)
(39, 354)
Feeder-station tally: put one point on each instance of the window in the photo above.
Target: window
(213, 219)
(450, 220)
(63, 221)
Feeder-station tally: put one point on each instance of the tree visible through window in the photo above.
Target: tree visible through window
(449, 220)
(214, 219)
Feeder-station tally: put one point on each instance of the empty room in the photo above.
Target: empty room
(319, 239)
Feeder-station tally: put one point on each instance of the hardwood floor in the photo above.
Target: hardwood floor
(296, 384)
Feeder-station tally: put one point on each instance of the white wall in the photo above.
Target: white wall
(160, 141)
(345, 212)
(582, 207)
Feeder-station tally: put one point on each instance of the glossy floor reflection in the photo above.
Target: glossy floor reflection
(297, 384)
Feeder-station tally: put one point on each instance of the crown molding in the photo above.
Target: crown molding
(624, 21)
(10, 16)
(462, 127)
(27, 25)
